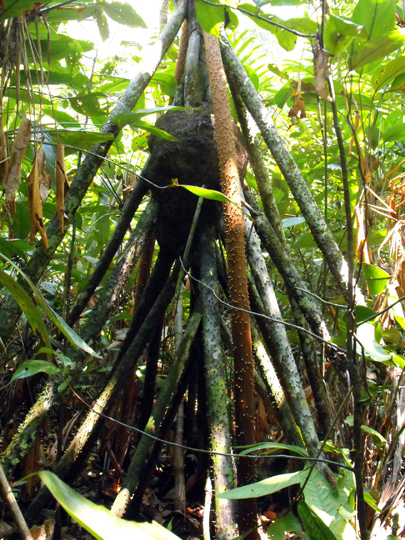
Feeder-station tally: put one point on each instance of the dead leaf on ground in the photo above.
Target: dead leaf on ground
(13, 179)
(321, 71)
(35, 206)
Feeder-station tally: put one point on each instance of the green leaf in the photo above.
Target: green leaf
(377, 278)
(265, 487)
(211, 18)
(210, 194)
(96, 519)
(32, 367)
(14, 8)
(288, 523)
(313, 525)
(328, 505)
(27, 305)
(275, 446)
(286, 39)
(373, 50)
(102, 23)
(377, 17)
(383, 76)
(339, 33)
(365, 335)
(123, 13)
(149, 128)
(81, 139)
(88, 104)
(291, 222)
(377, 437)
(71, 335)
(371, 502)
(129, 118)
(394, 133)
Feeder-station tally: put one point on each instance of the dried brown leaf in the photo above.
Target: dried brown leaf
(35, 206)
(321, 72)
(44, 176)
(13, 179)
(298, 109)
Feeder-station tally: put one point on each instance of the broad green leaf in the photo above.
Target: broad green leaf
(398, 84)
(275, 446)
(61, 46)
(265, 487)
(377, 17)
(32, 367)
(286, 39)
(283, 95)
(313, 525)
(88, 104)
(394, 133)
(123, 13)
(378, 438)
(149, 128)
(371, 502)
(398, 360)
(14, 8)
(27, 306)
(389, 72)
(288, 523)
(377, 48)
(365, 335)
(339, 33)
(61, 15)
(328, 505)
(60, 76)
(211, 18)
(291, 222)
(210, 194)
(166, 81)
(96, 519)
(63, 118)
(376, 277)
(68, 332)
(82, 139)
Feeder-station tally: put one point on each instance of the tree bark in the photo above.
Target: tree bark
(237, 280)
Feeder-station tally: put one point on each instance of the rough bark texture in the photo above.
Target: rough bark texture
(217, 395)
(285, 161)
(237, 280)
(146, 443)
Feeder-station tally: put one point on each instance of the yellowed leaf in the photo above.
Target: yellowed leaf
(13, 178)
(35, 206)
(321, 72)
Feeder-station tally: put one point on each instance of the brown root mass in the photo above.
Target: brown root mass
(191, 160)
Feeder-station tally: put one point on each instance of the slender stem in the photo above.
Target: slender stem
(351, 324)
